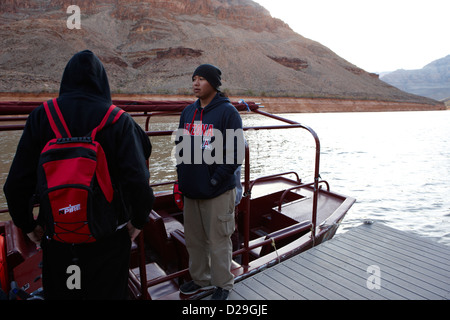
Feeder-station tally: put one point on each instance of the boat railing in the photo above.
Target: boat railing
(295, 229)
(143, 109)
(315, 184)
(245, 251)
(271, 178)
(305, 185)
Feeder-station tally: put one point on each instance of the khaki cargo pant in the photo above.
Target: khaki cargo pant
(208, 226)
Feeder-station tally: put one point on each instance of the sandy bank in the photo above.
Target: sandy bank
(275, 105)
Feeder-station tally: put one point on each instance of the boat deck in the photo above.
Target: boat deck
(369, 262)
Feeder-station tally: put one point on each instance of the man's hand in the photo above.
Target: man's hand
(132, 231)
(36, 235)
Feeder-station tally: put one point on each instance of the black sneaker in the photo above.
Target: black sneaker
(191, 287)
(220, 294)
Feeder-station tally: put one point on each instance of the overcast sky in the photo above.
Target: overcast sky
(375, 35)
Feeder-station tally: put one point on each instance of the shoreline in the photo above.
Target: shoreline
(271, 104)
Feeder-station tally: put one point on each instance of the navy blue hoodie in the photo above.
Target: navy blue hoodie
(206, 179)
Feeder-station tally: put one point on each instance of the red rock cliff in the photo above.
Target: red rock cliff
(153, 46)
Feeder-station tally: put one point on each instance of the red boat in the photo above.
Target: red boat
(280, 216)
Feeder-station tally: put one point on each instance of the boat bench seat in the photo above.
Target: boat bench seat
(154, 271)
(18, 246)
(170, 223)
(181, 250)
(298, 228)
(157, 235)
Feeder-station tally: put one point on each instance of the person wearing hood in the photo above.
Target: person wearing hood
(211, 149)
(84, 98)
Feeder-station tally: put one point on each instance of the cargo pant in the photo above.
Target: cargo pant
(208, 226)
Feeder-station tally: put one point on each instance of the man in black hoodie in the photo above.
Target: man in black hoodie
(210, 147)
(84, 99)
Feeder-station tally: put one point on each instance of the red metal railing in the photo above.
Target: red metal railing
(14, 112)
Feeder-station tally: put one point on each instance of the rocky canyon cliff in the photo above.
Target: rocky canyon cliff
(431, 81)
(153, 46)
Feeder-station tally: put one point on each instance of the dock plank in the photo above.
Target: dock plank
(348, 274)
(411, 239)
(412, 258)
(392, 279)
(274, 280)
(307, 277)
(296, 283)
(406, 249)
(245, 293)
(410, 267)
(260, 284)
(328, 280)
(361, 262)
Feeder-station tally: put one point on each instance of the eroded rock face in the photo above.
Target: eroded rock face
(153, 46)
(293, 63)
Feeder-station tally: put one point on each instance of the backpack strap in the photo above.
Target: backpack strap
(101, 170)
(56, 119)
(59, 126)
(112, 115)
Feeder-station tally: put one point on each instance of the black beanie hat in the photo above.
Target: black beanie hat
(210, 73)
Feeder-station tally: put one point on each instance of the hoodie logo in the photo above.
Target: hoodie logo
(199, 129)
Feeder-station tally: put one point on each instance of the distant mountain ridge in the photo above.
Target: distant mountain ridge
(153, 46)
(432, 81)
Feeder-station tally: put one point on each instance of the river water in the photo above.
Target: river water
(396, 164)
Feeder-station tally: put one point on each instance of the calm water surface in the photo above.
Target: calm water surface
(396, 164)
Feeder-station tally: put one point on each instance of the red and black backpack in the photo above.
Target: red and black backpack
(74, 185)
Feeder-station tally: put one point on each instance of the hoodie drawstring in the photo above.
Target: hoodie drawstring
(193, 120)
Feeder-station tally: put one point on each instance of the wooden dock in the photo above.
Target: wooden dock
(368, 262)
